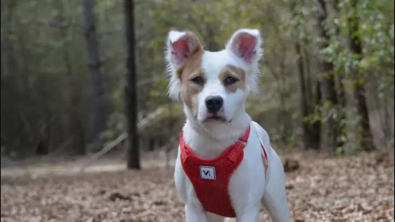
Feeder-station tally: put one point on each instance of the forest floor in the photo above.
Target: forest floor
(357, 188)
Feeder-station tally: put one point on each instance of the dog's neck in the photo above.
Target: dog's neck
(209, 141)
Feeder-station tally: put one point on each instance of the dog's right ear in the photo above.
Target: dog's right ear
(180, 46)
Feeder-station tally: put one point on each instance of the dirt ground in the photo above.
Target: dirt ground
(358, 188)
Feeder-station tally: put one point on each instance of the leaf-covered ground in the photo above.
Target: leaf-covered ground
(359, 188)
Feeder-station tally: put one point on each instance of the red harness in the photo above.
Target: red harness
(210, 177)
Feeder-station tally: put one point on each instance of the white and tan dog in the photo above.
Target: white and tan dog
(213, 87)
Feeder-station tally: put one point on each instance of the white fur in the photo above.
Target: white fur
(247, 186)
(174, 84)
(253, 67)
(212, 63)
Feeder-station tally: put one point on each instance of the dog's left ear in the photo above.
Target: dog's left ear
(246, 44)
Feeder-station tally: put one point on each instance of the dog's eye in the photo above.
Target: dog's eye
(230, 80)
(198, 80)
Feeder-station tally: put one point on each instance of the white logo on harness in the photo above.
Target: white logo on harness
(207, 172)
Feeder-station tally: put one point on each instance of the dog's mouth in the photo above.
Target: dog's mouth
(215, 117)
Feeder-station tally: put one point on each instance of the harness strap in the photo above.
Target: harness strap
(240, 144)
(265, 158)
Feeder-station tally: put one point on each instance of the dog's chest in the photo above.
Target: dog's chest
(223, 180)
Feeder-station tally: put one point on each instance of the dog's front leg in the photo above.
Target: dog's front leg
(195, 214)
(249, 215)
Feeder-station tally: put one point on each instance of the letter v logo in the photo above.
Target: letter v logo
(207, 172)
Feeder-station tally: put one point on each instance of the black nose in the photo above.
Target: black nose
(214, 103)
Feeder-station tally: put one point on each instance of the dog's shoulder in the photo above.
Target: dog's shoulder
(263, 135)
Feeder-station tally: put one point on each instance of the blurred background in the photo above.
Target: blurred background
(83, 85)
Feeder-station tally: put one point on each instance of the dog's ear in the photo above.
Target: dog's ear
(180, 46)
(246, 44)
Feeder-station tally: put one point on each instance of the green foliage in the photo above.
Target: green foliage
(45, 69)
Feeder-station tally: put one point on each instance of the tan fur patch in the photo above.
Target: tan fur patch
(234, 72)
(189, 70)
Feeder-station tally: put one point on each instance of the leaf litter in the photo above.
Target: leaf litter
(357, 188)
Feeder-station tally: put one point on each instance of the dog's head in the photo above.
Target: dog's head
(213, 85)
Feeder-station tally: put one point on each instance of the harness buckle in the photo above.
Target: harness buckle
(243, 142)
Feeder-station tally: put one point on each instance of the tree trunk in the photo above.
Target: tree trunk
(359, 100)
(133, 157)
(309, 85)
(302, 96)
(327, 83)
(341, 95)
(339, 87)
(313, 133)
(302, 89)
(309, 137)
(315, 128)
(99, 120)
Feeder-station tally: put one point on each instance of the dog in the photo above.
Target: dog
(225, 166)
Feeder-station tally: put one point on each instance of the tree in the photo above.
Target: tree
(339, 78)
(328, 91)
(47, 84)
(311, 131)
(359, 99)
(133, 157)
(99, 119)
